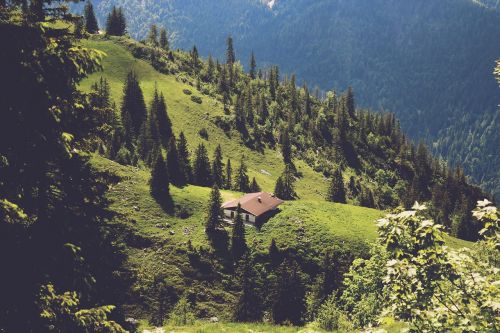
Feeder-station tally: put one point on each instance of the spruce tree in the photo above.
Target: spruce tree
(286, 148)
(115, 23)
(91, 25)
(153, 36)
(159, 183)
(164, 39)
(177, 176)
(230, 56)
(336, 191)
(288, 294)
(214, 211)
(184, 159)
(238, 242)
(133, 110)
(201, 168)
(164, 122)
(253, 66)
(274, 254)
(228, 181)
(351, 107)
(285, 188)
(254, 187)
(218, 168)
(249, 307)
(242, 182)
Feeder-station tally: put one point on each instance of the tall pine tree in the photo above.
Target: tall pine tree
(177, 175)
(238, 242)
(214, 211)
(159, 183)
(336, 191)
(202, 175)
(218, 168)
(242, 182)
(133, 110)
(184, 159)
(91, 25)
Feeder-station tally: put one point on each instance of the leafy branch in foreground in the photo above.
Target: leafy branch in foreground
(437, 289)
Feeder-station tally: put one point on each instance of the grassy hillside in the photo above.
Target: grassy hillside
(190, 117)
(171, 246)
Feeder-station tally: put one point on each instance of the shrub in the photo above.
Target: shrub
(196, 99)
(187, 91)
(331, 318)
(203, 133)
(124, 156)
(182, 313)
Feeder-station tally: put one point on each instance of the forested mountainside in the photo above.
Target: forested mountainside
(114, 170)
(430, 61)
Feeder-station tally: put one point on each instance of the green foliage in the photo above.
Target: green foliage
(331, 318)
(214, 211)
(241, 181)
(285, 188)
(238, 241)
(61, 313)
(218, 168)
(159, 183)
(434, 288)
(182, 314)
(288, 294)
(336, 192)
(115, 23)
(133, 109)
(363, 297)
(202, 174)
(91, 25)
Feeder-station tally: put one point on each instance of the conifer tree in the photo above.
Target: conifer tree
(228, 181)
(153, 36)
(242, 182)
(133, 110)
(115, 23)
(253, 66)
(218, 168)
(91, 25)
(177, 176)
(286, 148)
(201, 168)
(240, 116)
(285, 188)
(195, 58)
(214, 211)
(288, 294)
(254, 187)
(274, 254)
(159, 183)
(351, 107)
(249, 306)
(230, 56)
(184, 159)
(336, 191)
(164, 44)
(164, 122)
(238, 242)
(210, 69)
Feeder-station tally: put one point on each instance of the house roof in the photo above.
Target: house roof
(255, 203)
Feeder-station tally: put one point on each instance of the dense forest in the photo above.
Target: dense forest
(429, 62)
(82, 257)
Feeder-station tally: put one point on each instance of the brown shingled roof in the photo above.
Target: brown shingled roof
(255, 203)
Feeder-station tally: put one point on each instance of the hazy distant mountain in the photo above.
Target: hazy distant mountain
(429, 61)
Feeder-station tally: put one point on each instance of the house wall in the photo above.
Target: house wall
(251, 218)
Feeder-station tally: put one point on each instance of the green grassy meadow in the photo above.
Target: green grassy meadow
(156, 241)
(190, 117)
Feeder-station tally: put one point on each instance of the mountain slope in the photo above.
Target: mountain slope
(173, 247)
(428, 61)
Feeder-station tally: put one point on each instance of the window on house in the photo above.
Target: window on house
(232, 214)
(248, 217)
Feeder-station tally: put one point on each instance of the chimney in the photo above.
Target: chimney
(260, 199)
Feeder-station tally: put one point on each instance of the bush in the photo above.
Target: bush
(196, 99)
(331, 318)
(124, 156)
(203, 133)
(187, 91)
(182, 313)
